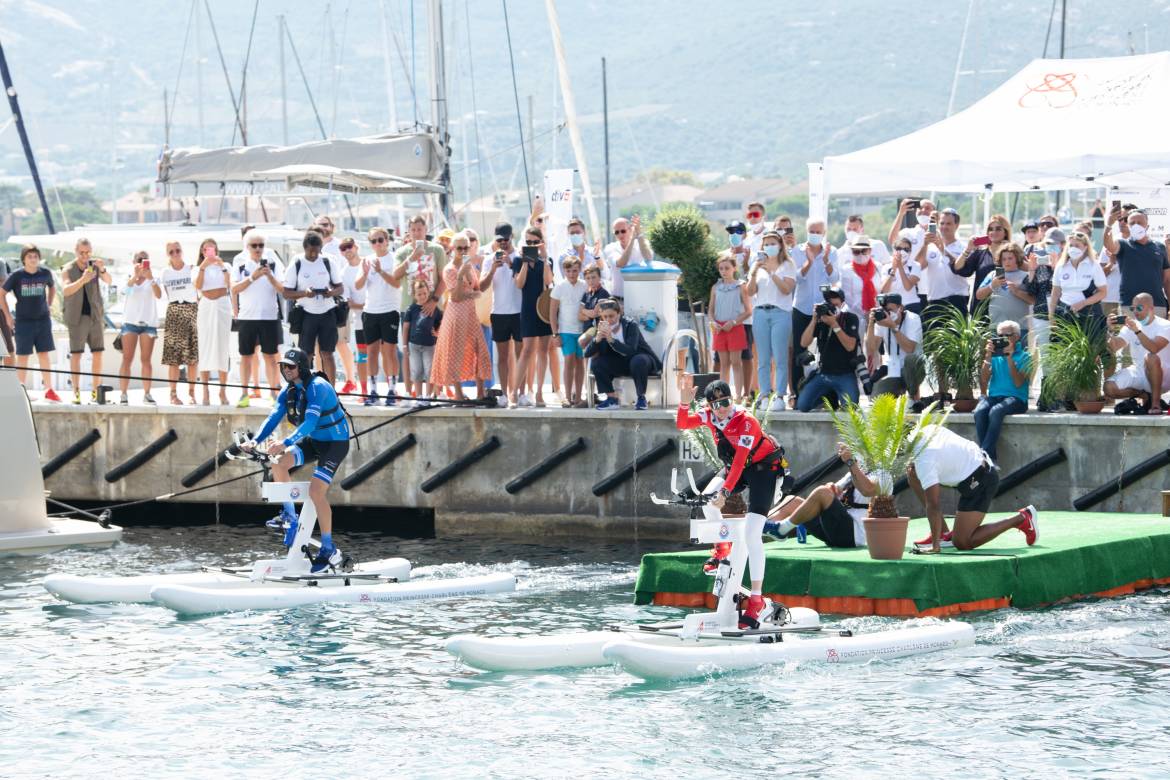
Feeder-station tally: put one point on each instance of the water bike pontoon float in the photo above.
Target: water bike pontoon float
(278, 583)
(703, 643)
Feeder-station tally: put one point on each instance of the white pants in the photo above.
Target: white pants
(754, 531)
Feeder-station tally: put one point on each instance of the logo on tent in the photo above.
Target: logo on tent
(1056, 90)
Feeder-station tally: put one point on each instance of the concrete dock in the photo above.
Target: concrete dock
(1096, 450)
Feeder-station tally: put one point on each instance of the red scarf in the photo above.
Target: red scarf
(868, 289)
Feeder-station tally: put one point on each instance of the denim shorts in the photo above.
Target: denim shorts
(139, 330)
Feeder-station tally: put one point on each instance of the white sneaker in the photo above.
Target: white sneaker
(525, 400)
(502, 401)
(778, 404)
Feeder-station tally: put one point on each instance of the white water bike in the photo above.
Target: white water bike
(703, 643)
(278, 583)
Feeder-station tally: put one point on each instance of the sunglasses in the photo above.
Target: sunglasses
(259, 246)
(531, 243)
(721, 403)
(621, 232)
(755, 214)
(464, 247)
(857, 252)
(994, 228)
(347, 247)
(174, 251)
(377, 241)
(1047, 224)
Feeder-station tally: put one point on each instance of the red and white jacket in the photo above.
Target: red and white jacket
(740, 439)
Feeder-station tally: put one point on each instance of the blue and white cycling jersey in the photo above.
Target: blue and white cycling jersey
(314, 409)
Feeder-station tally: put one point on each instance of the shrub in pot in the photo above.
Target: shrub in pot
(1073, 361)
(953, 348)
(884, 442)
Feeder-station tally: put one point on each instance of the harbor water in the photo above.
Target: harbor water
(352, 691)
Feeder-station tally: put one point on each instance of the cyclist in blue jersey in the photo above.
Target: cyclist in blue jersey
(308, 402)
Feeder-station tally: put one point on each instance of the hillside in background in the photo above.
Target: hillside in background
(753, 89)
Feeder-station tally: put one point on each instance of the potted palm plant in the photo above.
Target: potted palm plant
(953, 348)
(1073, 362)
(885, 442)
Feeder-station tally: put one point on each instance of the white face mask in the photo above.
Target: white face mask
(852, 235)
(772, 250)
(1137, 232)
(576, 239)
(923, 219)
(815, 239)
(1075, 253)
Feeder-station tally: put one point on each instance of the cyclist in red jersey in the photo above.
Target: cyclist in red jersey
(752, 460)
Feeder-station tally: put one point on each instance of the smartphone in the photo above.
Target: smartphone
(531, 253)
(913, 203)
(146, 264)
(1116, 206)
(788, 231)
(932, 228)
(1000, 273)
(422, 244)
(982, 241)
(263, 262)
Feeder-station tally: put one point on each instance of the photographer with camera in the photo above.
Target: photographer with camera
(816, 267)
(258, 291)
(83, 310)
(1003, 383)
(836, 332)
(895, 331)
(1148, 338)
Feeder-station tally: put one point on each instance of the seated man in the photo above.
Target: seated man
(895, 332)
(1147, 337)
(616, 348)
(834, 512)
(1003, 381)
(835, 330)
(947, 459)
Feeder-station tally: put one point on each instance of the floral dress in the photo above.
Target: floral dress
(461, 354)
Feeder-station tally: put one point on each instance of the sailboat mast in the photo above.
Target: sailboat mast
(439, 100)
(14, 104)
(391, 103)
(283, 80)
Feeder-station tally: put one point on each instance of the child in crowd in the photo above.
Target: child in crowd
(564, 310)
(729, 307)
(420, 326)
(594, 292)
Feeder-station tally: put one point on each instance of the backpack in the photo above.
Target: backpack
(341, 310)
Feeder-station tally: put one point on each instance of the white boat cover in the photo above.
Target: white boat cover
(1056, 124)
(409, 156)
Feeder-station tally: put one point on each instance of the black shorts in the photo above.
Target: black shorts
(761, 487)
(977, 490)
(381, 327)
(506, 327)
(834, 526)
(747, 351)
(359, 336)
(266, 333)
(328, 454)
(319, 330)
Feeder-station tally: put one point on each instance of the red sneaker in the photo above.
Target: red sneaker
(946, 543)
(349, 387)
(1028, 524)
(718, 553)
(51, 395)
(750, 617)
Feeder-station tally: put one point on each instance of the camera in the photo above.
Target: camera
(861, 371)
(806, 367)
(879, 314)
(913, 203)
(822, 310)
(263, 262)
(999, 343)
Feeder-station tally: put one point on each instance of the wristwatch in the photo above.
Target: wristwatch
(850, 462)
(837, 329)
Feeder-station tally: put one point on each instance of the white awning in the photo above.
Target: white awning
(1056, 124)
(347, 179)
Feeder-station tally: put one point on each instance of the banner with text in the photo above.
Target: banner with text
(558, 210)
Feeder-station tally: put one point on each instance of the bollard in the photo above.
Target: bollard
(449, 471)
(378, 462)
(651, 456)
(55, 463)
(545, 466)
(141, 458)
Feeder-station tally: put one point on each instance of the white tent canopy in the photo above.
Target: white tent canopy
(414, 156)
(1056, 124)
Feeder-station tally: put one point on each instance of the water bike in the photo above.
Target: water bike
(703, 643)
(278, 583)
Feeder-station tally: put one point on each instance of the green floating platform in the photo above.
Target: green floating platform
(1077, 555)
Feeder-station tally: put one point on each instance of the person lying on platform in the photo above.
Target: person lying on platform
(1148, 338)
(751, 459)
(949, 460)
(834, 512)
(310, 403)
(617, 348)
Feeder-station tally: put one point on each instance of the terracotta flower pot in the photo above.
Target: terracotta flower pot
(1089, 407)
(964, 405)
(886, 537)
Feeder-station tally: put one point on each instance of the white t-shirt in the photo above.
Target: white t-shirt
(313, 276)
(947, 459)
(1074, 280)
(1158, 327)
(911, 328)
(909, 294)
(179, 285)
(140, 307)
(853, 286)
(506, 296)
(569, 298)
(381, 296)
(940, 281)
(1113, 278)
(768, 294)
(611, 275)
(333, 249)
(215, 277)
(349, 275)
(258, 300)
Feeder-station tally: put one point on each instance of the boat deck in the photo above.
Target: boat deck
(1078, 555)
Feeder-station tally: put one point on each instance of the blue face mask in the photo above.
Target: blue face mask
(771, 250)
(576, 239)
(815, 239)
(736, 239)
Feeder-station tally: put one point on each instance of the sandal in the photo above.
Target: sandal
(175, 400)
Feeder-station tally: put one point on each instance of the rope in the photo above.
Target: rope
(516, 96)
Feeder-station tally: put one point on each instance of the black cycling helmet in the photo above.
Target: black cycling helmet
(300, 359)
(716, 389)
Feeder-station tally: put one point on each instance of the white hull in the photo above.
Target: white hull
(136, 589)
(60, 535)
(665, 656)
(189, 600)
(658, 662)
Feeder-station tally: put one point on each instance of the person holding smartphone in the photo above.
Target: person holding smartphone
(83, 310)
(417, 256)
(505, 314)
(139, 325)
(1147, 336)
(214, 321)
(1004, 290)
(979, 258)
(532, 274)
